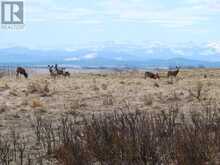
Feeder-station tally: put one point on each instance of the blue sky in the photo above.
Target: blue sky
(67, 23)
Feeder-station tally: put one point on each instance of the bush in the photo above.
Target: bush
(148, 100)
(41, 88)
(142, 138)
(139, 138)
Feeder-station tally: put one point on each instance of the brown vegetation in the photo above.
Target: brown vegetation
(112, 119)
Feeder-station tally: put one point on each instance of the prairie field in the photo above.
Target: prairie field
(83, 119)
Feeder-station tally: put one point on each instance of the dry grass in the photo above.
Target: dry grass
(137, 138)
(41, 88)
(148, 100)
(35, 103)
(83, 95)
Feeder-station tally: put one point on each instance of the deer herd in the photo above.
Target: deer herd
(170, 73)
(55, 71)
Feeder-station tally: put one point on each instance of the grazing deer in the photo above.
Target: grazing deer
(173, 73)
(21, 71)
(52, 72)
(151, 75)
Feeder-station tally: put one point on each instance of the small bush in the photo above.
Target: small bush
(148, 99)
(94, 85)
(104, 86)
(156, 85)
(76, 104)
(3, 108)
(108, 100)
(35, 103)
(198, 91)
(40, 88)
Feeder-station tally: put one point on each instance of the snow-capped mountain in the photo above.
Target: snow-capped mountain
(111, 54)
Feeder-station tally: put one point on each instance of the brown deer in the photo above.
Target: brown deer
(53, 74)
(151, 75)
(21, 71)
(173, 73)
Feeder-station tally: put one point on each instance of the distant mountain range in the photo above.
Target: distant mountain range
(116, 55)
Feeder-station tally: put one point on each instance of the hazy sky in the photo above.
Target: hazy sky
(64, 23)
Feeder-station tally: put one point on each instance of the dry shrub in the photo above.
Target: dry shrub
(108, 99)
(13, 149)
(156, 85)
(148, 99)
(33, 87)
(94, 85)
(174, 97)
(104, 86)
(64, 154)
(4, 87)
(160, 97)
(142, 138)
(41, 88)
(3, 108)
(13, 92)
(122, 82)
(76, 104)
(197, 91)
(170, 81)
(124, 137)
(24, 102)
(36, 103)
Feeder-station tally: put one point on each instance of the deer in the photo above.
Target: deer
(52, 72)
(151, 75)
(61, 71)
(173, 73)
(66, 74)
(21, 71)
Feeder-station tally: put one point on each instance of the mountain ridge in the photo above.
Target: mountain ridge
(115, 55)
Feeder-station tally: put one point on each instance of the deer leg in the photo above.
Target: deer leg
(17, 75)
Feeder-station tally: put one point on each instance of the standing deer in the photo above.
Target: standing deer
(61, 71)
(52, 72)
(151, 75)
(21, 71)
(173, 73)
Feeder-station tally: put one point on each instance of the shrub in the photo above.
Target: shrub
(108, 99)
(165, 137)
(41, 88)
(198, 91)
(148, 100)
